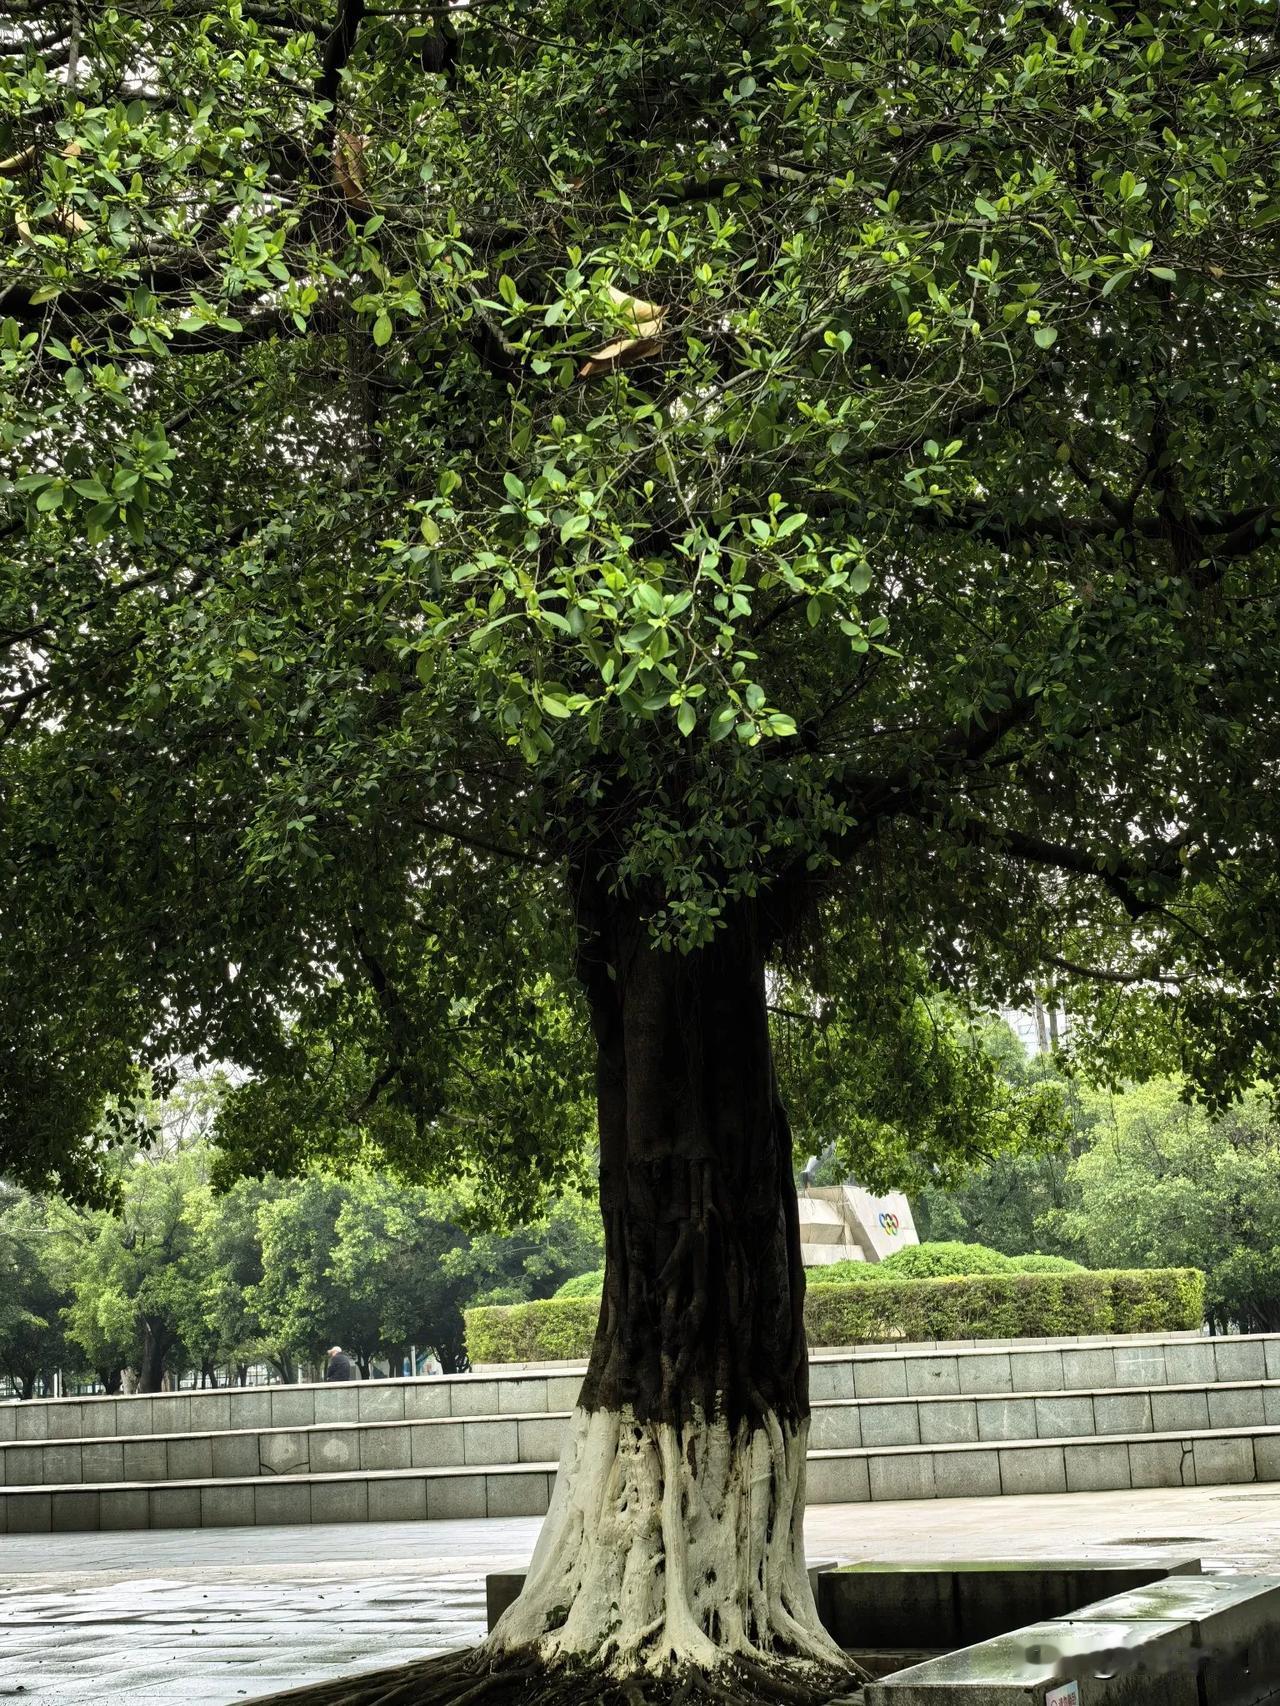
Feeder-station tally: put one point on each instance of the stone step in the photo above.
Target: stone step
(1216, 1457)
(398, 1495)
(1219, 1457)
(1021, 1367)
(242, 1409)
(344, 1448)
(447, 1442)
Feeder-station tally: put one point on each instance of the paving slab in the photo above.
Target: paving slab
(218, 1616)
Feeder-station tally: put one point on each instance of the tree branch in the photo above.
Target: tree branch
(1102, 974)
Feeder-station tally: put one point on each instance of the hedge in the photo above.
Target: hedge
(983, 1306)
(944, 1260)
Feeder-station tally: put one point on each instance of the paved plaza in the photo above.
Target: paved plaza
(215, 1617)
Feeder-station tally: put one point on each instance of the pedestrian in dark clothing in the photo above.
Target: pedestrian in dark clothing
(339, 1365)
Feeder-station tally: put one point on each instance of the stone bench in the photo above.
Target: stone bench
(959, 1603)
(1185, 1641)
(876, 1605)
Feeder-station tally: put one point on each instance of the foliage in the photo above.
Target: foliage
(1146, 1179)
(33, 1340)
(530, 1260)
(583, 1285)
(557, 1329)
(994, 1306)
(179, 1276)
(895, 1081)
(136, 1277)
(940, 1261)
(787, 454)
(1045, 1265)
(843, 1273)
(1163, 1181)
(986, 1306)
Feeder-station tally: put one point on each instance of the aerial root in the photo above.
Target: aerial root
(473, 1678)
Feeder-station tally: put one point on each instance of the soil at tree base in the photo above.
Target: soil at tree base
(461, 1678)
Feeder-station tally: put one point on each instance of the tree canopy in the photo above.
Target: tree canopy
(817, 456)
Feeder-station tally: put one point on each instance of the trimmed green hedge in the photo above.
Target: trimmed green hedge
(982, 1306)
(1046, 1265)
(944, 1260)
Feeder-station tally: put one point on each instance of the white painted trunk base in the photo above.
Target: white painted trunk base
(665, 1547)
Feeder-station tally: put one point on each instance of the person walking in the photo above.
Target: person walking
(340, 1367)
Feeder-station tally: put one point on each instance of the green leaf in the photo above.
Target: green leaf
(722, 720)
(686, 718)
(1117, 279)
(1046, 336)
(382, 330)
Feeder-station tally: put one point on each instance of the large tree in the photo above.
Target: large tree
(632, 492)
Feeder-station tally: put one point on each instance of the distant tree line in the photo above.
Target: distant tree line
(178, 1280)
(1145, 1179)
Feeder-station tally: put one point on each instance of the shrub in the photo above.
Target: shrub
(843, 1273)
(1147, 1301)
(967, 1306)
(583, 1285)
(941, 1261)
(1046, 1265)
(555, 1329)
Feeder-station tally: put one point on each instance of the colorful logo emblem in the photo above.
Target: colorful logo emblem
(890, 1223)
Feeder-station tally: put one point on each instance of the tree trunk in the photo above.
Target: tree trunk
(155, 1347)
(284, 1365)
(674, 1537)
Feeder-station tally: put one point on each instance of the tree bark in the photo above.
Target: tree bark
(155, 1348)
(704, 1288)
(674, 1538)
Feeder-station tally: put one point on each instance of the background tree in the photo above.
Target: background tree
(33, 1340)
(1163, 1182)
(137, 1277)
(692, 480)
(898, 1085)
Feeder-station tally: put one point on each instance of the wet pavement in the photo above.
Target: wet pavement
(214, 1617)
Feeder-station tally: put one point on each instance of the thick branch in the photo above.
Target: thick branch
(339, 47)
(1103, 974)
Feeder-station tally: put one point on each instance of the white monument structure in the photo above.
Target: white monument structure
(844, 1223)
